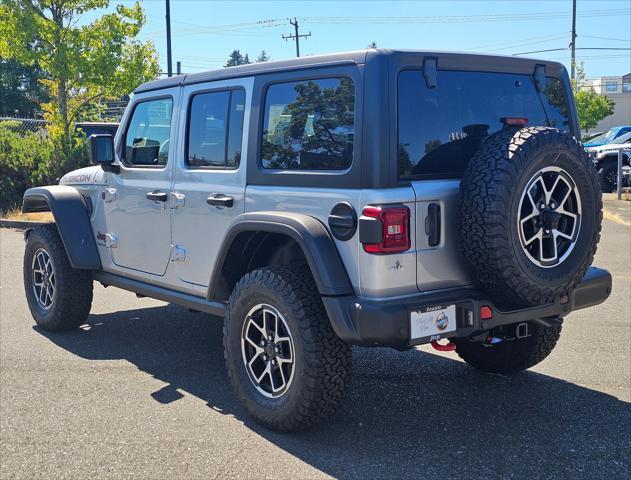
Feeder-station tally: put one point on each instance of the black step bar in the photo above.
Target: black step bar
(160, 293)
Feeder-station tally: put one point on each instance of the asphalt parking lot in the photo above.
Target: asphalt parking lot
(141, 392)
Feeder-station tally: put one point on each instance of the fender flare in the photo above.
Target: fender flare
(309, 233)
(72, 218)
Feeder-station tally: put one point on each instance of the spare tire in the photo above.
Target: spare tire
(530, 215)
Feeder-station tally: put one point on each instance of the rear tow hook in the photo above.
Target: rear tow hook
(448, 347)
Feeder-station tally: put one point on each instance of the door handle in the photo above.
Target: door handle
(220, 200)
(432, 224)
(157, 196)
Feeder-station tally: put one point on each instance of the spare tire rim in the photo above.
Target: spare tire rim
(267, 347)
(43, 274)
(549, 217)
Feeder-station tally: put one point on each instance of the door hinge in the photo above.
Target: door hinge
(178, 253)
(111, 240)
(108, 195)
(177, 200)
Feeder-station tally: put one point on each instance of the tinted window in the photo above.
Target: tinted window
(441, 128)
(215, 129)
(624, 138)
(309, 125)
(147, 137)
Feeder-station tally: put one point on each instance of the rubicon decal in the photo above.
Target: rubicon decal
(79, 178)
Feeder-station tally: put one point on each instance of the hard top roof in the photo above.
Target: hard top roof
(357, 57)
(254, 69)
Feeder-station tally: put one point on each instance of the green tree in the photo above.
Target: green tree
(236, 58)
(84, 62)
(263, 57)
(372, 45)
(20, 89)
(591, 107)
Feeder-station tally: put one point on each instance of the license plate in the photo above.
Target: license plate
(432, 321)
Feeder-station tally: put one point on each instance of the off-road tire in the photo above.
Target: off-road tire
(322, 360)
(490, 194)
(72, 297)
(608, 176)
(510, 356)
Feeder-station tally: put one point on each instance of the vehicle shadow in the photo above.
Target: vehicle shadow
(410, 414)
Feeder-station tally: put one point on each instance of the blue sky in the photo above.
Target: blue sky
(205, 32)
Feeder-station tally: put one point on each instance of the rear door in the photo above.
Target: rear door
(440, 129)
(209, 187)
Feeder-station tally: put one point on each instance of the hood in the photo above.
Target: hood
(607, 149)
(83, 176)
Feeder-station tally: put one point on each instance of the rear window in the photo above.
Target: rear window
(441, 128)
(309, 125)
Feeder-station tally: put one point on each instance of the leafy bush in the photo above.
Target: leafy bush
(33, 159)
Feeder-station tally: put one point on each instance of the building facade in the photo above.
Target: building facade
(619, 90)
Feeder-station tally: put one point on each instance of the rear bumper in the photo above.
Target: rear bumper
(387, 323)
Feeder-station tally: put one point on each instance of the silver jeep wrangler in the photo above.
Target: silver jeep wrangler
(373, 198)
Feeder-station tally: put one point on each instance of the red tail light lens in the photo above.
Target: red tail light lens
(515, 121)
(395, 228)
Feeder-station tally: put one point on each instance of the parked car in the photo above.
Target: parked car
(605, 157)
(608, 136)
(374, 198)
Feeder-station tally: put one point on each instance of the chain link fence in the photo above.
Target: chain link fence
(22, 126)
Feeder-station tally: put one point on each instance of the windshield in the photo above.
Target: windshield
(623, 138)
(604, 138)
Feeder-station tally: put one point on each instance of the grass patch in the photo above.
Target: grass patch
(16, 214)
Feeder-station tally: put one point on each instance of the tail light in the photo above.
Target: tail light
(514, 121)
(388, 229)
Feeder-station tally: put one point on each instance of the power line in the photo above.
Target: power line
(560, 49)
(546, 40)
(607, 38)
(538, 37)
(296, 36)
(462, 18)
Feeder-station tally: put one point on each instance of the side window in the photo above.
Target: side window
(148, 132)
(309, 125)
(215, 129)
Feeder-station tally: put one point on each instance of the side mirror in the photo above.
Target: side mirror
(102, 151)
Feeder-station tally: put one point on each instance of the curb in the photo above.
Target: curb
(20, 224)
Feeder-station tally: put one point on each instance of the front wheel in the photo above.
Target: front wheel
(609, 176)
(285, 363)
(509, 349)
(58, 295)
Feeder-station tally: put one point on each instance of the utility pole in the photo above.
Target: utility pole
(169, 62)
(573, 44)
(296, 36)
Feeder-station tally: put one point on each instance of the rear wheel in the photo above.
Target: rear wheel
(58, 295)
(285, 363)
(506, 350)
